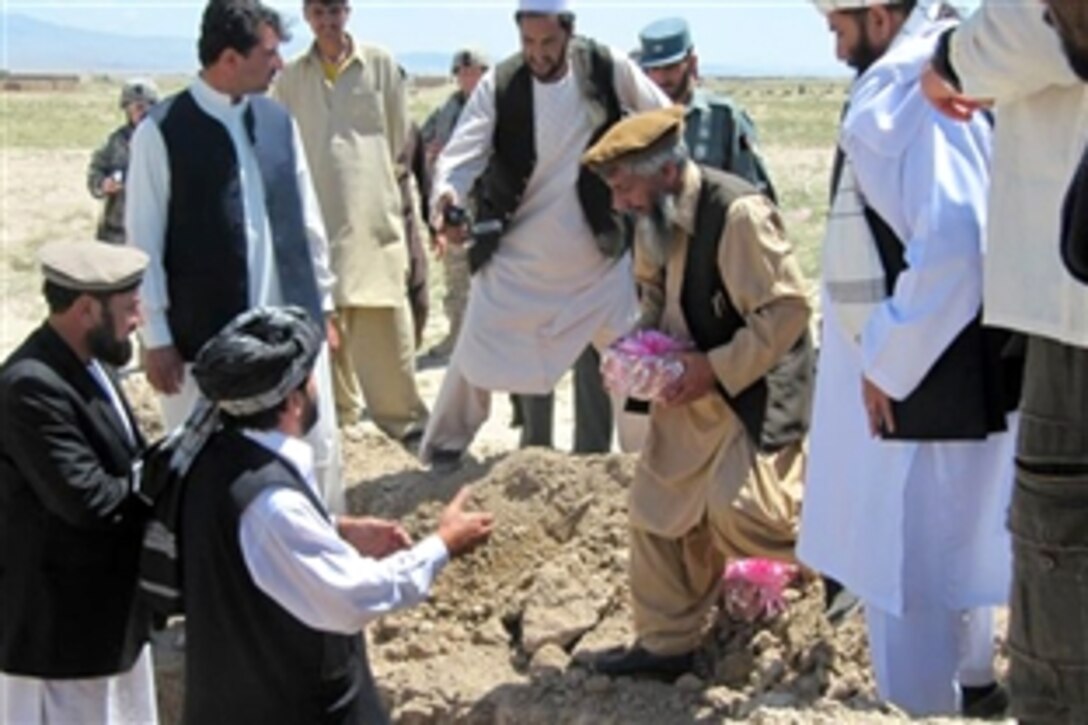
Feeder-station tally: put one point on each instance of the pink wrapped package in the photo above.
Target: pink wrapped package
(642, 364)
(752, 588)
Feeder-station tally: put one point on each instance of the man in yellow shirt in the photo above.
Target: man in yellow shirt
(349, 101)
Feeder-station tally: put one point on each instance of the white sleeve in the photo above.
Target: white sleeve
(940, 184)
(466, 154)
(314, 223)
(296, 557)
(1006, 50)
(634, 88)
(147, 192)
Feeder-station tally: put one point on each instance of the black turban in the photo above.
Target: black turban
(254, 362)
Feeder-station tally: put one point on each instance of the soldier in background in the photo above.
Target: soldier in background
(468, 67)
(718, 133)
(109, 165)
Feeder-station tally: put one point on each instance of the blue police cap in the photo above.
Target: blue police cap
(665, 42)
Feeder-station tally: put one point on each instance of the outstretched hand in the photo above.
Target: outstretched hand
(371, 537)
(461, 530)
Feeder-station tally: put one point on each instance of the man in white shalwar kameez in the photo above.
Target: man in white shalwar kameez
(916, 529)
(548, 291)
(236, 63)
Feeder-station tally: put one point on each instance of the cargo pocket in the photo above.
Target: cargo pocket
(1048, 623)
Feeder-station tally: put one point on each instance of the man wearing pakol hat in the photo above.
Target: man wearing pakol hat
(73, 631)
(109, 164)
(277, 592)
(349, 99)
(718, 133)
(551, 271)
(720, 473)
(468, 68)
(220, 199)
(910, 464)
(1030, 62)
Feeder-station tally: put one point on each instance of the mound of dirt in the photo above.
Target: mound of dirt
(506, 634)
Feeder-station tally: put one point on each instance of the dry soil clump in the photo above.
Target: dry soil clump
(507, 632)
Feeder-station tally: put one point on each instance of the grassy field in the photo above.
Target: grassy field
(46, 139)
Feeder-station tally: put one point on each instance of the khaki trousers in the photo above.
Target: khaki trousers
(675, 583)
(376, 364)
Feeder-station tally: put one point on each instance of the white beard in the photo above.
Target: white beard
(654, 231)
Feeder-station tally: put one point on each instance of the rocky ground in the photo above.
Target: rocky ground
(505, 636)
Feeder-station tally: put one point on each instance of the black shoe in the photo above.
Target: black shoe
(446, 461)
(839, 602)
(411, 440)
(637, 661)
(987, 702)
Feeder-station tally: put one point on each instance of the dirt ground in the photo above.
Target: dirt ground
(505, 635)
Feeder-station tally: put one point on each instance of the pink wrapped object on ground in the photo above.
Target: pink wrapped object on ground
(642, 364)
(752, 588)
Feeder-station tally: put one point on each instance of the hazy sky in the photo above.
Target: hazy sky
(770, 36)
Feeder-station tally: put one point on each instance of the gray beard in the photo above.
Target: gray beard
(655, 230)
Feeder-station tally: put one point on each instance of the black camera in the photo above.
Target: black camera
(455, 216)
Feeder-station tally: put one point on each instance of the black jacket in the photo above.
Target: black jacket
(70, 531)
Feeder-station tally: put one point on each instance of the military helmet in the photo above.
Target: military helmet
(469, 58)
(139, 90)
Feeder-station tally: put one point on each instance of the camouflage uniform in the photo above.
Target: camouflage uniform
(109, 160)
(437, 129)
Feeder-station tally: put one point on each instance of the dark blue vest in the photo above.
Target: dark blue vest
(204, 255)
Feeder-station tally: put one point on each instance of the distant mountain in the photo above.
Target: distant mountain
(36, 46)
(41, 47)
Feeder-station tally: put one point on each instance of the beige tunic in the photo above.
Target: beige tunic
(699, 453)
(352, 131)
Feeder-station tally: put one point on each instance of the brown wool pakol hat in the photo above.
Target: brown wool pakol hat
(637, 134)
(93, 267)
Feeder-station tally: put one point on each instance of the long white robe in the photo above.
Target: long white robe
(145, 222)
(927, 177)
(127, 698)
(548, 291)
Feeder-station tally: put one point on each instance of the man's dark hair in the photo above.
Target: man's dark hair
(906, 6)
(566, 20)
(60, 299)
(1069, 18)
(235, 25)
